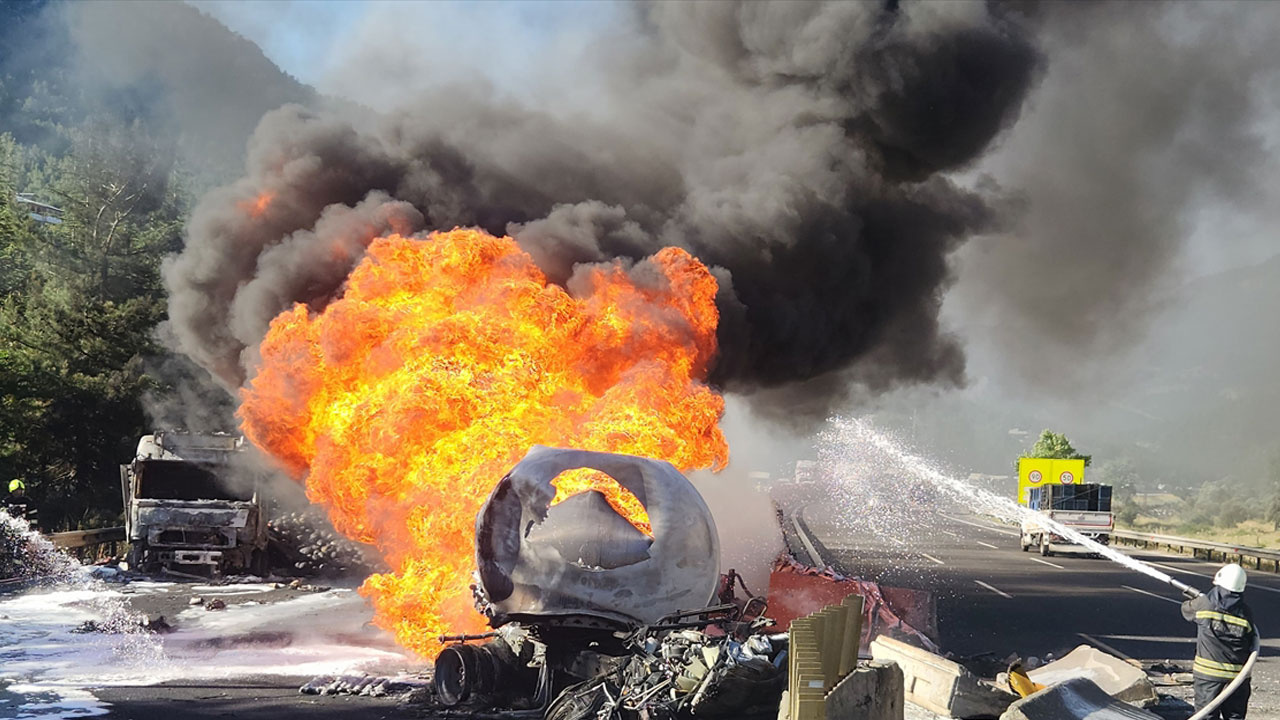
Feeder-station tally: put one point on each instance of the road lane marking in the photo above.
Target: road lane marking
(1145, 592)
(1046, 562)
(1095, 641)
(1177, 570)
(995, 590)
(951, 533)
(993, 547)
(1171, 568)
(984, 527)
(933, 558)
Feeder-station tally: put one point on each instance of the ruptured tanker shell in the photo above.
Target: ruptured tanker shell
(580, 558)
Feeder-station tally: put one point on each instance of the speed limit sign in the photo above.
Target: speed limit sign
(1035, 477)
(1067, 478)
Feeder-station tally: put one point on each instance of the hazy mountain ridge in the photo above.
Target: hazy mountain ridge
(177, 73)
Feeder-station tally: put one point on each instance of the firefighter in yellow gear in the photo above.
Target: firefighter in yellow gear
(1224, 640)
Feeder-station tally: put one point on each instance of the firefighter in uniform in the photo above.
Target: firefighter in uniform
(16, 501)
(1224, 640)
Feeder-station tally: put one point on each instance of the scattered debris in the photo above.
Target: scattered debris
(1116, 677)
(238, 580)
(873, 691)
(216, 604)
(1166, 673)
(108, 573)
(306, 542)
(689, 671)
(418, 688)
(1075, 699)
(297, 584)
(196, 600)
(151, 625)
(941, 685)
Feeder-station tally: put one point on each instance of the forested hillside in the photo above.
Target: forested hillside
(103, 144)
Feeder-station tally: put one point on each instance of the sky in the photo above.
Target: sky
(340, 47)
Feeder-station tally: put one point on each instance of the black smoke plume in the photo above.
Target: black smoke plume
(801, 149)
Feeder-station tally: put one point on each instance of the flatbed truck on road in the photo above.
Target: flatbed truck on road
(1085, 508)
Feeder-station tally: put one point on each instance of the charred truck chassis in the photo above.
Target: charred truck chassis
(182, 509)
(584, 604)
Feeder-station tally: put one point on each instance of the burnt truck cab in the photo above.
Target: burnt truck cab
(189, 505)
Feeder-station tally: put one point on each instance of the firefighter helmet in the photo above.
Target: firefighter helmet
(16, 485)
(1231, 577)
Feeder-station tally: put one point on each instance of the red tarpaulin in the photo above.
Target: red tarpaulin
(796, 590)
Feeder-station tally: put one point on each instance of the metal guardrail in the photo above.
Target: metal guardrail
(81, 538)
(92, 544)
(1257, 558)
(802, 532)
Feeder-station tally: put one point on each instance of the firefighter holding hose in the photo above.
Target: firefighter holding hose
(1224, 640)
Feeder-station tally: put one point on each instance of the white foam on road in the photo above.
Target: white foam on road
(238, 589)
(48, 671)
(54, 703)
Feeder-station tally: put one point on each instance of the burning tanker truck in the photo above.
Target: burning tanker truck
(593, 616)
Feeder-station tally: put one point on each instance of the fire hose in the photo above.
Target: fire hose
(1191, 593)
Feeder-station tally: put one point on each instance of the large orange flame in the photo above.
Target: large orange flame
(446, 358)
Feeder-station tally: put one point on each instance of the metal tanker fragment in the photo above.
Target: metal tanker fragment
(581, 563)
(594, 616)
(189, 505)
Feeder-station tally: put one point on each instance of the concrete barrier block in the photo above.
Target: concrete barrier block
(1116, 677)
(1075, 699)
(940, 685)
(873, 691)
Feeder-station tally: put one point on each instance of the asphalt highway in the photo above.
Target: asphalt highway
(992, 598)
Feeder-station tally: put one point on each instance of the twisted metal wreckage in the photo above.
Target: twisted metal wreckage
(594, 618)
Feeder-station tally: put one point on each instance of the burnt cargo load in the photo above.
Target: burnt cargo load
(190, 506)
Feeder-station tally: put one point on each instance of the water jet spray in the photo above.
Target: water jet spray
(847, 437)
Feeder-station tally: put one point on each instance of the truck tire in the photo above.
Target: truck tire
(135, 556)
(259, 563)
(1044, 548)
(1024, 544)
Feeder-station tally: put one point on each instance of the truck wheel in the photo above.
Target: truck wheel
(1024, 544)
(135, 556)
(259, 563)
(1044, 548)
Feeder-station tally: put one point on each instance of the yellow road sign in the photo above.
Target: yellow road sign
(1034, 472)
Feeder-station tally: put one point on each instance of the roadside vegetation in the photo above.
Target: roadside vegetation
(1230, 510)
(81, 300)
(92, 197)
